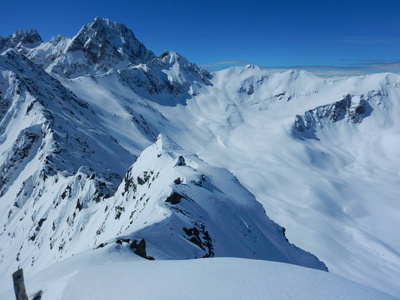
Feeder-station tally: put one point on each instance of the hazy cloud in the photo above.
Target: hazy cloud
(346, 68)
(224, 64)
(357, 68)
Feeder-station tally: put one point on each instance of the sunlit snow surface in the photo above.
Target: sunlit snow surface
(116, 273)
(325, 168)
(337, 194)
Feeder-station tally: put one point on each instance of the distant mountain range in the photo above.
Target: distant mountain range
(103, 143)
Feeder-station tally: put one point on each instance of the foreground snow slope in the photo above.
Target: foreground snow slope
(116, 273)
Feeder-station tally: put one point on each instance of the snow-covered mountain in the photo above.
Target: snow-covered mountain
(185, 208)
(22, 40)
(97, 48)
(321, 156)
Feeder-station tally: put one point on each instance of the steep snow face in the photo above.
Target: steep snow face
(115, 272)
(56, 158)
(185, 208)
(97, 48)
(32, 97)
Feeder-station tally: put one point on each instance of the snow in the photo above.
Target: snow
(337, 197)
(334, 187)
(116, 273)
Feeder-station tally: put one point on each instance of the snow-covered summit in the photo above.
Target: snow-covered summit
(168, 79)
(104, 46)
(103, 35)
(97, 48)
(179, 69)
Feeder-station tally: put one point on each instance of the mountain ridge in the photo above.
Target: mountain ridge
(243, 119)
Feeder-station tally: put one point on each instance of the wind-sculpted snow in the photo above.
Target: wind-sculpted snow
(320, 155)
(185, 208)
(115, 272)
(61, 168)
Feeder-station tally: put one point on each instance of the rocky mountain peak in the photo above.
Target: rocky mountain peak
(28, 38)
(171, 57)
(104, 34)
(98, 47)
(22, 38)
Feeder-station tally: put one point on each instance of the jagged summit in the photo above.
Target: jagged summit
(169, 79)
(98, 47)
(22, 39)
(102, 33)
(103, 46)
(171, 57)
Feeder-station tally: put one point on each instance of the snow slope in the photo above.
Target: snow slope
(116, 273)
(333, 185)
(61, 167)
(185, 208)
(336, 193)
(321, 155)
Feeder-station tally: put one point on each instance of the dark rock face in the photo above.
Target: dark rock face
(19, 285)
(305, 126)
(107, 43)
(140, 249)
(121, 38)
(201, 238)
(20, 39)
(20, 151)
(174, 198)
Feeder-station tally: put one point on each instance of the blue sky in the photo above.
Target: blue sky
(325, 36)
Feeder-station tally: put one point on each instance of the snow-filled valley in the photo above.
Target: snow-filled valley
(105, 146)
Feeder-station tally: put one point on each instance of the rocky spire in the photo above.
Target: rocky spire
(104, 38)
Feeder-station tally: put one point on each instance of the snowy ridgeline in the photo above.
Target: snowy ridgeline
(320, 155)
